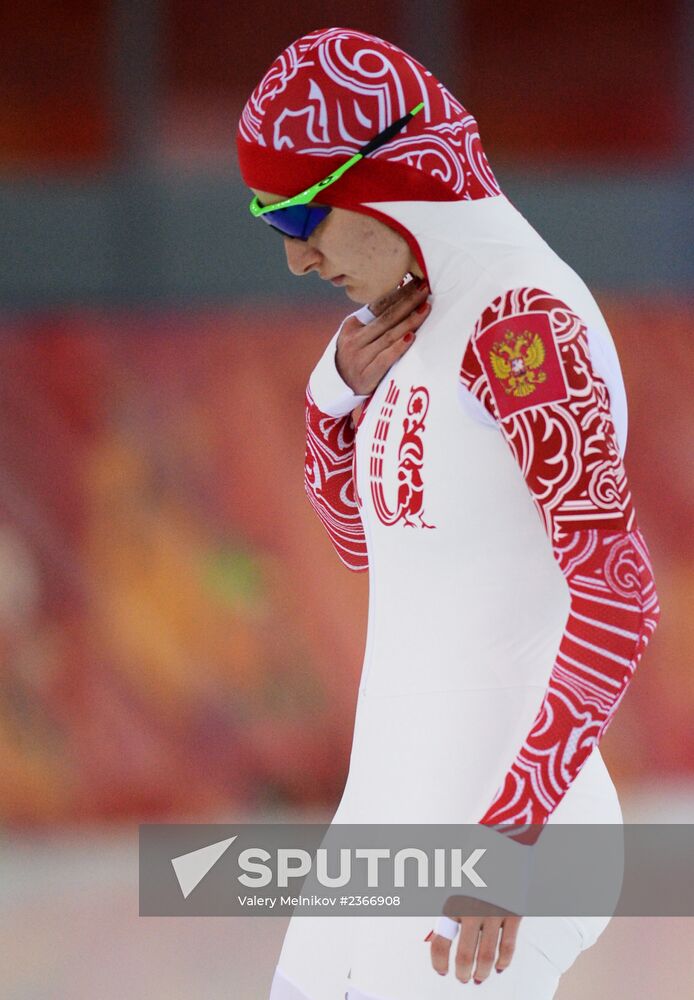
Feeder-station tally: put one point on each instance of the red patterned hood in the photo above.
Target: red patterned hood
(330, 92)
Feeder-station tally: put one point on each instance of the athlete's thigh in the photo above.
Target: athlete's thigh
(314, 960)
(531, 975)
(284, 989)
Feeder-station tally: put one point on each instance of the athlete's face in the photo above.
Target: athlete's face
(354, 251)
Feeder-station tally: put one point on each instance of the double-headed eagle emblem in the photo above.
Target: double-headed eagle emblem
(516, 360)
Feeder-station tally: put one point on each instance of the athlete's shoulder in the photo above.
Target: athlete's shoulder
(526, 349)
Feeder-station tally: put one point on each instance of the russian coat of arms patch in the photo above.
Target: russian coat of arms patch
(522, 363)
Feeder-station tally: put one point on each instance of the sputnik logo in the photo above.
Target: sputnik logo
(191, 868)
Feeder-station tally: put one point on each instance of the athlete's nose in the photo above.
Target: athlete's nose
(301, 257)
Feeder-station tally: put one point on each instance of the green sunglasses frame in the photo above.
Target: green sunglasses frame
(304, 197)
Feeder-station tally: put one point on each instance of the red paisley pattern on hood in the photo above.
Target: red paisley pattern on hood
(330, 92)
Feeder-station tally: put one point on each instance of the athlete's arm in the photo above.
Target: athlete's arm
(329, 480)
(354, 362)
(528, 362)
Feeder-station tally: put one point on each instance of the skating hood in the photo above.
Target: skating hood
(330, 92)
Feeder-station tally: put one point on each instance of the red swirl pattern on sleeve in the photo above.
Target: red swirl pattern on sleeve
(565, 445)
(329, 481)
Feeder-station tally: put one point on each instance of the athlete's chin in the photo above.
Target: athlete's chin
(356, 294)
(361, 293)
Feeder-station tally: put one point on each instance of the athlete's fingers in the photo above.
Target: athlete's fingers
(467, 943)
(356, 334)
(362, 374)
(486, 949)
(365, 352)
(410, 324)
(384, 361)
(363, 366)
(403, 306)
(507, 946)
(440, 953)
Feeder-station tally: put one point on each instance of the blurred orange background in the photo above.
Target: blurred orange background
(177, 633)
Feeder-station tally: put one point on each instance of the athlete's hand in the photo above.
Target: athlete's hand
(365, 353)
(486, 930)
